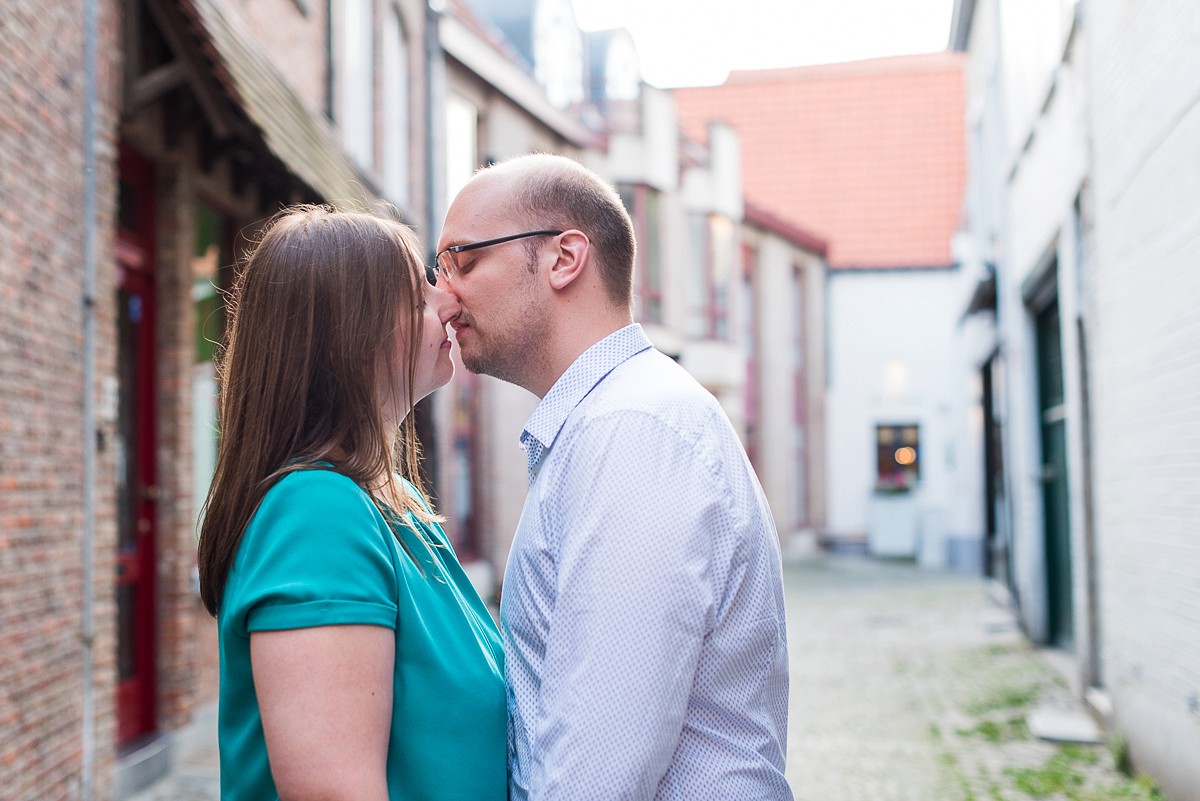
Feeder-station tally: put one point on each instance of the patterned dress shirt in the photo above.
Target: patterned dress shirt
(643, 602)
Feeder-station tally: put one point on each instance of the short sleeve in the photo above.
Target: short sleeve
(316, 553)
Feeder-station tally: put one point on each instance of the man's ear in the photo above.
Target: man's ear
(572, 252)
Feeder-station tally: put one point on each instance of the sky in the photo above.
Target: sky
(697, 42)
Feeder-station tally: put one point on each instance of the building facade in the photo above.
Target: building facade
(784, 334)
(144, 144)
(1080, 224)
(868, 156)
(151, 139)
(692, 292)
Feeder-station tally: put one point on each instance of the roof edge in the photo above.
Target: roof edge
(758, 216)
(935, 61)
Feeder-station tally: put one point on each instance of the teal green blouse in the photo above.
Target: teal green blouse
(319, 553)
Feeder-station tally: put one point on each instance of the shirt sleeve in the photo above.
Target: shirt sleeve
(634, 601)
(316, 553)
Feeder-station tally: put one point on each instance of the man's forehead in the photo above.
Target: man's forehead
(479, 206)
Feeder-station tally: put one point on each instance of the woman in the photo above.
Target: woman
(356, 659)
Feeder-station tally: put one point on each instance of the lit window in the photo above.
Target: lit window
(354, 110)
(462, 143)
(898, 457)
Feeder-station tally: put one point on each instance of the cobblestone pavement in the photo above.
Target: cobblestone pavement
(907, 685)
(911, 685)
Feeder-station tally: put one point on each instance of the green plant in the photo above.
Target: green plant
(1003, 697)
(999, 731)
(1118, 746)
(1140, 789)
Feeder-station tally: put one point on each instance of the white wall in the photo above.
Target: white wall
(1047, 176)
(1029, 161)
(895, 357)
(1146, 310)
(1108, 115)
(788, 279)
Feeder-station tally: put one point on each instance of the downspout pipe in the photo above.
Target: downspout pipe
(435, 171)
(435, 86)
(88, 545)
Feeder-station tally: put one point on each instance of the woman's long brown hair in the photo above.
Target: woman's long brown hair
(309, 353)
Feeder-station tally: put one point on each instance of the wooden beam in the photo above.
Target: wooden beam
(212, 103)
(147, 88)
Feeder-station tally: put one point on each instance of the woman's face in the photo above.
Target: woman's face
(434, 367)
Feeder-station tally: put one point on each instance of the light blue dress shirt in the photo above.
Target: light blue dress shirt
(642, 613)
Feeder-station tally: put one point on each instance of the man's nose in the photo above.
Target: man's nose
(446, 303)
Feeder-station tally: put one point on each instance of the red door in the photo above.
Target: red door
(137, 487)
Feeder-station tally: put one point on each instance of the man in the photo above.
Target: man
(642, 614)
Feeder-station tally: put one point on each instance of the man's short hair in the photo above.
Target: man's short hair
(557, 192)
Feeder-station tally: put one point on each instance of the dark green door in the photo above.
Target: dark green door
(1055, 498)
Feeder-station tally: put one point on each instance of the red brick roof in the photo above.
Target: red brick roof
(869, 155)
(758, 216)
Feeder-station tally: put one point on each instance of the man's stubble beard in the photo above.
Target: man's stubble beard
(515, 355)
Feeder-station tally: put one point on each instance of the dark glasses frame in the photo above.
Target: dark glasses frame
(445, 266)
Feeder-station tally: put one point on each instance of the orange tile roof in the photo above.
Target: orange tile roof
(870, 155)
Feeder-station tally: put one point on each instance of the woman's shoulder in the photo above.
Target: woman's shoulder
(317, 488)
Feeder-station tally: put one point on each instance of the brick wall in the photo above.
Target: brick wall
(285, 28)
(41, 400)
(1146, 376)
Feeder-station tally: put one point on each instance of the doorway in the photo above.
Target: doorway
(137, 492)
(1055, 493)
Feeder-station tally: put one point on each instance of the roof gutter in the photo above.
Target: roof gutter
(960, 24)
(480, 57)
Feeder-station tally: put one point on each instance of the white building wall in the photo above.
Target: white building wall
(895, 358)
(777, 435)
(649, 155)
(713, 189)
(1045, 177)
(790, 457)
(816, 363)
(1146, 376)
(1029, 161)
(503, 129)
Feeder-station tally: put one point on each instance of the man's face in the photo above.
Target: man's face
(502, 322)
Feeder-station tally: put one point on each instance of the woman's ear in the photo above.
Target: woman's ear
(571, 252)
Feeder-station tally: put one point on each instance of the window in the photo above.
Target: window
(800, 392)
(353, 58)
(799, 343)
(462, 143)
(751, 348)
(642, 203)
(695, 281)
(557, 52)
(720, 259)
(395, 110)
(898, 457)
(211, 257)
(708, 285)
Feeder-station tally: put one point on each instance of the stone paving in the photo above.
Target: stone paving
(912, 685)
(907, 685)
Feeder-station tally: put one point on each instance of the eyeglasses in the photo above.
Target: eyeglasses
(447, 267)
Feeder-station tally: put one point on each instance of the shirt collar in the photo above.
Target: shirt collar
(578, 381)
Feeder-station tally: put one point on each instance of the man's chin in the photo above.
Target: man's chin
(473, 363)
